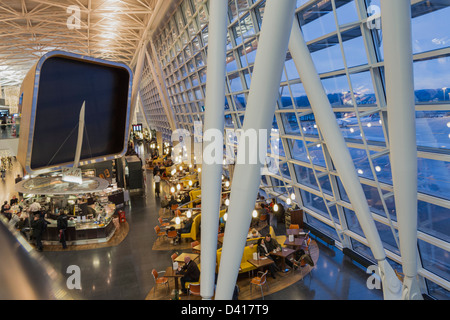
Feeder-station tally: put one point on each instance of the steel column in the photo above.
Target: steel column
(214, 121)
(269, 63)
(398, 62)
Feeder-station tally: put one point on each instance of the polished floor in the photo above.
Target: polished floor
(124, 272)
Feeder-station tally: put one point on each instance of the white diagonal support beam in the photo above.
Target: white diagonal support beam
(337, 147)
(398, 66)
(269, 63)
(214, 121)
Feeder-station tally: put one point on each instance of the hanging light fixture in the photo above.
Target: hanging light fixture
(178, 187)
(275, 208)
(190, 183)
(225, 216)
(293, 196)
(288, 201)
(227, 202)
(227, 184)
(255, 213)
(177, 220)
(189, 214)
(172, 190)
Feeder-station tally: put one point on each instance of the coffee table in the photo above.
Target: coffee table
(283, 254)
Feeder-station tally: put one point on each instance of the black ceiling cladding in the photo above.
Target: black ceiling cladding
(64, 85)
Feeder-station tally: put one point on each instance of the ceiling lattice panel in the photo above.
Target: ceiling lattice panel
(107, 29)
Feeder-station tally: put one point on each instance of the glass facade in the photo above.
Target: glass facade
(348, 54)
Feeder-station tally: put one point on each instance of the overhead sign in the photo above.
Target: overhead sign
(52, 94)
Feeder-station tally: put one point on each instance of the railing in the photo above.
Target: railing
(24, 273)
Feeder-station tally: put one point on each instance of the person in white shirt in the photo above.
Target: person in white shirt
(35, 206)
(157, 180)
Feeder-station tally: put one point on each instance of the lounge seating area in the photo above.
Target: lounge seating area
(179, 233)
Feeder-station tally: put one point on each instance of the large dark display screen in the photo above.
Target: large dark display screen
(64, 84)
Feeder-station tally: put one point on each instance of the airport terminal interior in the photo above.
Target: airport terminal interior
(349, 198)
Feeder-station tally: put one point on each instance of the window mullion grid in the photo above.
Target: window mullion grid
(364, 140)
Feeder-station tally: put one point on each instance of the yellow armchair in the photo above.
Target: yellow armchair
(194, 194)
(194, 229)
(280, 239)
(245, 265)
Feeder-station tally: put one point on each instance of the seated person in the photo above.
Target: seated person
(6, 211)
(272, 244)
(187, 227)
(190, 272)
(264, 252)
(185, 198)
(13, 201)
(253, 233)
(173, 200)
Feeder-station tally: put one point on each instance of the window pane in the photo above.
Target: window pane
(431, 80)
(433, 129)
(305, 176)
(290, 123)
(363, 88)
(434, 220)
(435, 259)
(327, 55)
(363, 250)
(317, 20)
(235, 82)
(434, 177)
(300, 98)
(354, 48)
(317, 204)
(430, 25)
(346, 11)
(298, 151)
(330, 231)
(285, 97)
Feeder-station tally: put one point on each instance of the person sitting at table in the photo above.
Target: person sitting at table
(186, 228)
(272, 244)
(173, 201)
(185, 198)
(13, 201)
(253, 233)
(190, 271)
(6, 211)
(264, 252)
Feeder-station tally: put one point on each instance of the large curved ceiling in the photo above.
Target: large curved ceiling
(107, 29)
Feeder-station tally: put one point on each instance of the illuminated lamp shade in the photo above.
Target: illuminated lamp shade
(199, 170)
(275, 208)
(227, 184)
(225, 216)
(190, 183)
(254, 213)
(173, 172)
(177, 220)
(227, 202)
(172, 189)
(178, 187)
(181, 168)
(288, 201)
(189, 214)
(293, 196)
